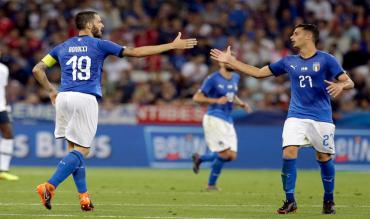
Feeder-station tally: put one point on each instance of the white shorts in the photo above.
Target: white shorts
(307, 132)
(76, 117)
(219, 134)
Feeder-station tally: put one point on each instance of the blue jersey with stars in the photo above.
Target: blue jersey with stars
(309, 97)
(81, 60)
(216, 86)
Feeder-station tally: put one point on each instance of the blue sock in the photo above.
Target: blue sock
(289, 176)
(208, 157)
(328, 178)
(217, 165)
(79, 176)
(65, 168)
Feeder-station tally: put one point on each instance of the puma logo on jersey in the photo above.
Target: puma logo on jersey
(293, 67)
(221, 86)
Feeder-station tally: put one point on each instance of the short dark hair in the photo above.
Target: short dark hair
(312, 28)
(84, 17)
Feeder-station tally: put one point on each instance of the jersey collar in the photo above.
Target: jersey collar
(308, 57)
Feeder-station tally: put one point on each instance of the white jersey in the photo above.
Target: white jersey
(4, 74)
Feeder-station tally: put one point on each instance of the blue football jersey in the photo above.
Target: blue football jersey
(309, 98)
(216, 86)
(81, 60)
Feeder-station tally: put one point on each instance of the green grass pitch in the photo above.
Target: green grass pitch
(179, 194)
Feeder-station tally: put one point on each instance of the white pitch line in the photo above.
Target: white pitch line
(246, 194)
(113, 216)
(177, 205)
(160, 193)
(140, 205)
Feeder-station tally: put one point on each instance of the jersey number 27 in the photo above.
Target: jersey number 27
(79, 71)
(304, 79)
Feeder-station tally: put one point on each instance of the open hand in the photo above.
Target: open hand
(179, 43)
(334, 89)
(224, 57)
(247, 108)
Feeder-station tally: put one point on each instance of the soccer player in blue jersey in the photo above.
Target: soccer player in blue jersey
(219, 91)
(315, 76)
(81, 59)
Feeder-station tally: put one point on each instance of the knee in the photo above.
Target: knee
(83, 151)
(86, 152)
(232, 156)
(323, 157)
(290, 152)
(228, 155)
(7, 133)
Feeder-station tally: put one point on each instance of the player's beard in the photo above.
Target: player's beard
(229, 69)
(96, 32)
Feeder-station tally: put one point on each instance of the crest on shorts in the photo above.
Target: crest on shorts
(221, 143)
(316, 66)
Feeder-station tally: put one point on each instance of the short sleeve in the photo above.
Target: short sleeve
(4, 70)
(54, 52)
(52, 58)
(334, 68)
(207, 85)
(277, 68)
(110, 48)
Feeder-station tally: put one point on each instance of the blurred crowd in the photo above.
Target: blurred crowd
(257, 30)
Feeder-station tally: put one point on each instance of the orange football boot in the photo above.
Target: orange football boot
(85, 202)
(46, 192)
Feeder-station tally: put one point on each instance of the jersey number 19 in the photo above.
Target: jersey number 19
(79, 71)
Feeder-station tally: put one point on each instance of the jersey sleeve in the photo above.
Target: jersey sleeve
(110, 48)
(51, 59)
(4, 70)
(334, 68)
(207, 85)
(278, 68)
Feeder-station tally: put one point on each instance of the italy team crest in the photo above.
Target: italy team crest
(316, 66)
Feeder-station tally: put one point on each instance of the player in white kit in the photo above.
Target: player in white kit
(6, 142)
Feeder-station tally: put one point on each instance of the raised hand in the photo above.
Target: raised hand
(220, 56)
(334, 89)
(179, 43)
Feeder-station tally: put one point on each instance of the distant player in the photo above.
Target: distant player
(219, 91)
(309, 121)
(81, 59)
(7, 142)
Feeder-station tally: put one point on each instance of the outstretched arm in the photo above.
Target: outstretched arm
(229, 59)
(335, 88)
(199, 97)
(40, 75)
(242, 104)
(178, 43)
